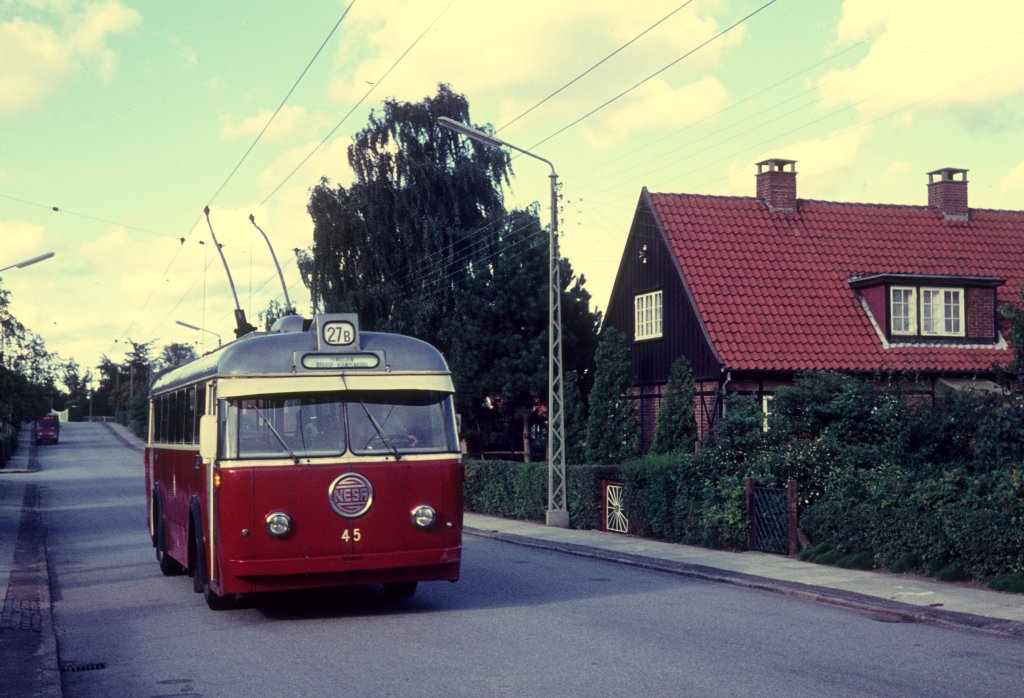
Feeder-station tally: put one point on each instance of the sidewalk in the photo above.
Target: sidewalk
(28, 645)
(896, 596)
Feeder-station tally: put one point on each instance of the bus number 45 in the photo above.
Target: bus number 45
(355, 535)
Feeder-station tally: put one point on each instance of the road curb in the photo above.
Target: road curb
(880, 608)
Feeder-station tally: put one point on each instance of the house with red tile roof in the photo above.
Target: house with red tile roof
(753, 290)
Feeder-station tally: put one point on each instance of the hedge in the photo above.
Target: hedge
(885, 481)
(661, 498)
(8, 442)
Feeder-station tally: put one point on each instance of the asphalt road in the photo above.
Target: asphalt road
(522, 622)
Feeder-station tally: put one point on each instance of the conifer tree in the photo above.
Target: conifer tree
(612, 429)
(677, 428)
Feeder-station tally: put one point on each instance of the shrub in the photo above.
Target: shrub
(1012, 582)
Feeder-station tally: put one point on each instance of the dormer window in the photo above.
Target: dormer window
(941, 311)
(910, 309)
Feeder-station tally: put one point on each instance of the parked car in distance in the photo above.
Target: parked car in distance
(47, 430)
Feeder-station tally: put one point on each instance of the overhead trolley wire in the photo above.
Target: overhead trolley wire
(330, 133)
(238, 165)
(362, 99)
(283, 101)
(58, 209)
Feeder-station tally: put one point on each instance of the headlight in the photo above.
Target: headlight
(279, 524)
(424, 516)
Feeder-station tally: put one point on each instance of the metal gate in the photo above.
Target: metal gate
(771, 518)
(614, 519)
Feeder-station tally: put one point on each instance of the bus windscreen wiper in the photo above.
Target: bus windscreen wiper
(380, 432)
(275, 433)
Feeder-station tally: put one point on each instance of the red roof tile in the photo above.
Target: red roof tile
(773, 288)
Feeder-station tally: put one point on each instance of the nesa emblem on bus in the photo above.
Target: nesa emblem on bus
(350, 495)
(338, 333)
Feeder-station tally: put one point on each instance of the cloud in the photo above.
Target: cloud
(500, 51)
(656, 105)
(1014, 179)
(22, 241)
(38, 59)
(929, 55)
(290, 122)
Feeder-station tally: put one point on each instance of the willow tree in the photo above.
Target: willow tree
(420, 243)
(396, 245)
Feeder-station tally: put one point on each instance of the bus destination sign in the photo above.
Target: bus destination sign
(340, 361)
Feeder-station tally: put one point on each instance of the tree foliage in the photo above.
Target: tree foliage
(612, 429)
(420, 244)
(28, 372)
(394, 245)
(1015, 314)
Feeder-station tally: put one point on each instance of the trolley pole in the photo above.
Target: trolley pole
(558, 512)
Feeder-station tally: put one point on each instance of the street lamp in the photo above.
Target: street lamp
(19, 265)
(29, 262)
(199, 329)
(558, 513)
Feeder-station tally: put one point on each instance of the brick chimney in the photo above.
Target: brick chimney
(776, 184)
(947, 193)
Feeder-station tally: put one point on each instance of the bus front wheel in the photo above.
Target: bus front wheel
(201, 580)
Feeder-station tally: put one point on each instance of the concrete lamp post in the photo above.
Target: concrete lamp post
(557, 513)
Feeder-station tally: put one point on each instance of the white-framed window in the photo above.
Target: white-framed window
(903, 310)
(942, 312)
(647, 315)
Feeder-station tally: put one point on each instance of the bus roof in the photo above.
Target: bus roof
(284, 352)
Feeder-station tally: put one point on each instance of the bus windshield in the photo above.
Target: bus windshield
(332, 424)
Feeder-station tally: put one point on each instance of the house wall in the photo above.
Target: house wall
(648, 265)
(981, 313)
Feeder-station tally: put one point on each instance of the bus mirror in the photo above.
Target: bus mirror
(208, 437)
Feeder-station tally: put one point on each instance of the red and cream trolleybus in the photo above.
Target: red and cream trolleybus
(312, 455)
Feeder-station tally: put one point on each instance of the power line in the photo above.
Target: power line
(654, 74)
(721, 111)
(596, 65)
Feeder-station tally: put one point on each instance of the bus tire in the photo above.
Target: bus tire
(198, 562)
(201, 578)
(215, 602)
(399, 591)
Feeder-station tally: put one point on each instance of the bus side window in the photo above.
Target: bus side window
(156, 420)
(190, 416)
(200, 410)
(165, 417)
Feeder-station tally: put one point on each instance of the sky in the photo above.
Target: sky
(120, 121)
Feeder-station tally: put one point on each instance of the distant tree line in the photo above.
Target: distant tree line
(28, 372)
(123, 390)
